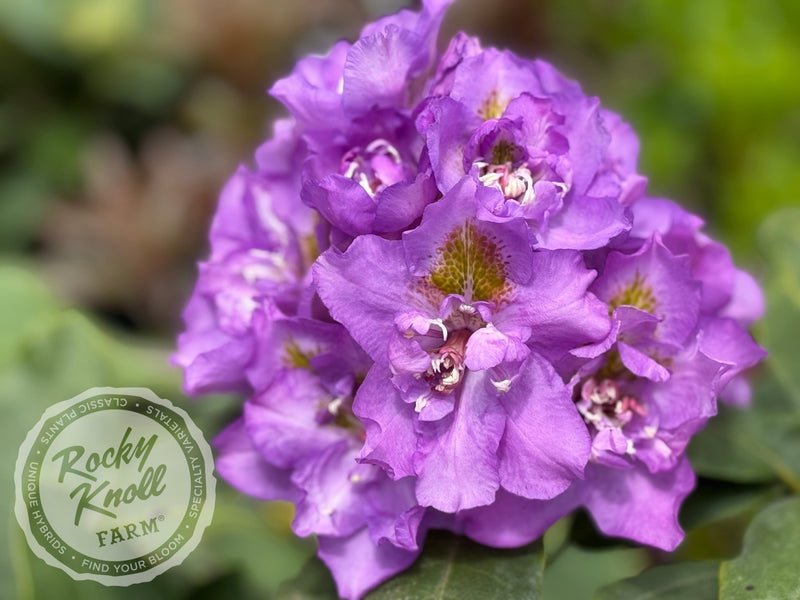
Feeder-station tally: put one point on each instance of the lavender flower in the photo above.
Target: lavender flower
(643, 392)
(458, 322)
(451, 304)
(550, 155)
(262, 243)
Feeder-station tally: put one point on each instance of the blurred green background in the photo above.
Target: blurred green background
(121, 119)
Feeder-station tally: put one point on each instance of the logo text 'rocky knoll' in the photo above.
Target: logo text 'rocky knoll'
(149, 484)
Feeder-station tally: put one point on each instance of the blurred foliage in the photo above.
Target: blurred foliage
(121, 119)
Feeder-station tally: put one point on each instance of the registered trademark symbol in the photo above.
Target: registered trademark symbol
(160, 517)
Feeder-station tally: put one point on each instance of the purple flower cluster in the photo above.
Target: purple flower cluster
(451, 304)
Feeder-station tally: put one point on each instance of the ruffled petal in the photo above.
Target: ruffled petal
(638, 505)
(456, 462)
(388, 421)
(545, 444)
(358, 564)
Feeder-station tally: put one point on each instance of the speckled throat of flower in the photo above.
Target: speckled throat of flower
(472, 263)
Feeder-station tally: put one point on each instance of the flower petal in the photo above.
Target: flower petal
(390, 438)
(358, 564)
(546, 444)
(457, 461)
(638, 505)
(242, 466)
(365, 288)
(511, 521)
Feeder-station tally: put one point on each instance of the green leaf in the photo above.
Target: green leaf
(23, 203)
(248, 535)
(727, 449)
(314, 582)
(578, 572)
(716, 515)
(455, 568)
(695, 580)
(744, 445)
(713, 501)
(767, 566)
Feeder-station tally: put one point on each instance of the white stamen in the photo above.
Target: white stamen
(384, 146)
(502, 386)
(421, 403)
(591, 416)
(334, 406)
(524, 176)
(630, 449)
(355, 478)
(351, 169)
(363, 181)
(650, 431)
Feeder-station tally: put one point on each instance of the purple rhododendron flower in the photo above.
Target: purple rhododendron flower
(456, 319)
(450, 304)
(262, 244)
(550, 155)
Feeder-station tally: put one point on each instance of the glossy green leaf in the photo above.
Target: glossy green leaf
(455, 568)
(680, 581)
(713, 501)
(716, 515)
(768, 564)
(578, 572)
